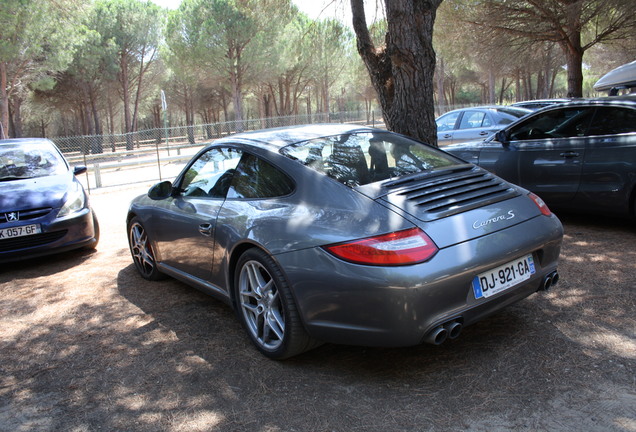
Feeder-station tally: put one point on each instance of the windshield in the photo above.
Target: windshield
(29, 160)
(363, 158)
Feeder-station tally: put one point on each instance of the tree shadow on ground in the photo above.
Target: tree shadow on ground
(163, 356)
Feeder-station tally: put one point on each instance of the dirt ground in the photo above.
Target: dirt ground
(87, 345)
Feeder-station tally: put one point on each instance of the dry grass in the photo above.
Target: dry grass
(88, 345)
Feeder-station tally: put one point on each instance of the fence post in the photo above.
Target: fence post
(88, 180)
(98, 176)
(158, 161)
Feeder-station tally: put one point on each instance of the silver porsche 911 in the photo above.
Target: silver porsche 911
(344, 234)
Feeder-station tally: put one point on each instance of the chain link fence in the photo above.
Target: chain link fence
(158, 154)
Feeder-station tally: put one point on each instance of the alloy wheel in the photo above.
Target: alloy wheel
(141, 251)
(261, 305)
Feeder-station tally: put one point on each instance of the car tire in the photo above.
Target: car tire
(141, 250)
(266, 308)
(93, 245)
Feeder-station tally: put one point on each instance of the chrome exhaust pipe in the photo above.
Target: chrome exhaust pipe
(549, 281)
(437, 336)
(555, 278)
(454, 328)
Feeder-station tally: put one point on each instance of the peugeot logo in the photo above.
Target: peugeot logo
(12, 217)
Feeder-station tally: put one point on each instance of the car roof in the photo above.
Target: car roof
(277, 138)
(491, 107)
(546, 101)
(629, 100)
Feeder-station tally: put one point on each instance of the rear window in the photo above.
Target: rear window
(362, 158)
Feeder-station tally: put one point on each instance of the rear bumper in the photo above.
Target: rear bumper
(351, 304)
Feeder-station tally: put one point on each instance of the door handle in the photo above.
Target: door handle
(206, 229)
(448, 135)
(569, 154)
(482, 133)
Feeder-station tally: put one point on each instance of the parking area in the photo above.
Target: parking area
(86, 345)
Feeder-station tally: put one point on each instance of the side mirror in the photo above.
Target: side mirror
(80, 169)
(160, 191)
(502, 137)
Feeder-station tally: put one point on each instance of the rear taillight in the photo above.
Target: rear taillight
(399, 248)
(543, 207)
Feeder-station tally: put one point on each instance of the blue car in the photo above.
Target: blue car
(43, 207)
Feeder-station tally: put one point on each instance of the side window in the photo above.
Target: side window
(255, 178)
(472, 119)
(211, 174)
(612, 121)
(447, 121)
(559, 123)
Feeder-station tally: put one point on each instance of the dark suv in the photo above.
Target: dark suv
(580, 155)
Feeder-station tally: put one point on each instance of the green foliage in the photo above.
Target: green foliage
(37, 30)
(213, 55)
(37, 40)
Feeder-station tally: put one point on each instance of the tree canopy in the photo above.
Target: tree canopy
(574, 25)
(70, 67)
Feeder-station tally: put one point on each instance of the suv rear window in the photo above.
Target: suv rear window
(362, 158)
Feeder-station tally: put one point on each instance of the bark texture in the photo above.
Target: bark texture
(402, 69)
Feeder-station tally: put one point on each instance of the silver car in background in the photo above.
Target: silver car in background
(475, 123)
(344, 234)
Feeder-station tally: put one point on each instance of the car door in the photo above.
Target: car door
(185, 226)
(544, 153)
(608, 179)
(446, 127)
(254, 209)
(475, 125)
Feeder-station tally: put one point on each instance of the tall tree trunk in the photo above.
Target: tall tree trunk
(574, 61)
(126, 93)
(16, 111)
(238, 105)
(237, 90)
(111, 123)
(502, 91)
(441, 96)
(402, 71)
(143, 67)
(326, 96)
(492, 84)
(4, 102)
(98, 143)
(572, 48)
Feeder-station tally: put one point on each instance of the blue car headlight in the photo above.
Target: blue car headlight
(75, 201)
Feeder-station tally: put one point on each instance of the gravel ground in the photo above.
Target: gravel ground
(87, 345)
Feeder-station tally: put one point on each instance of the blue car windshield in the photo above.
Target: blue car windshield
(362, 158)
(29, 160)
